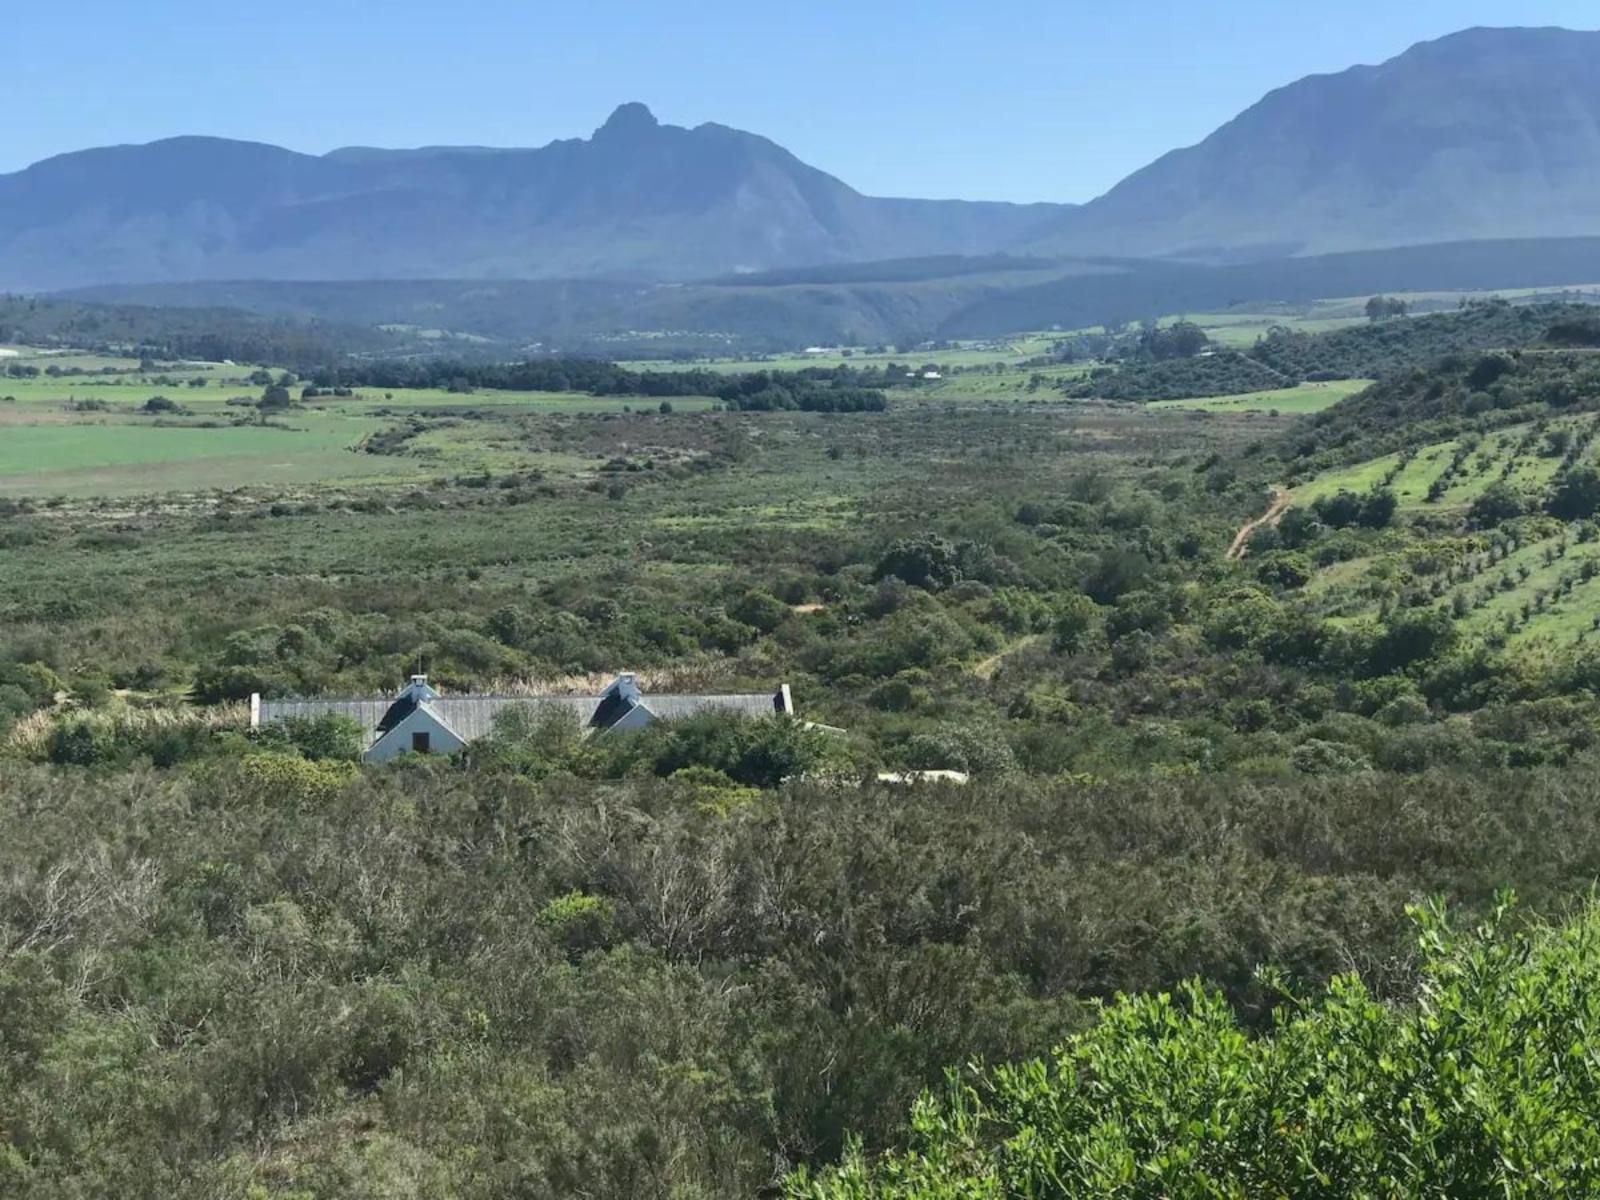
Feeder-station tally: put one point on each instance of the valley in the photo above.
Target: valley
(634, 669)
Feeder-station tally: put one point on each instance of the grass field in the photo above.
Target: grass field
(1307, 398)
(84, 435)
(1241, 330)
(115, 457)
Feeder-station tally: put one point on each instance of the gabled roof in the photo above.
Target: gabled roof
(473, 717)
(621, 698)
(398, 711)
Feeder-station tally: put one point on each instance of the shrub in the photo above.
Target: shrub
(296, 782)
(758, 754)
(1496, 503)
(928, 561)
(1576, 495)
(977, 750)
(579, 923)
(1074, 622)
(1286, 569)
(1480, 1088)
(759, 610)
(1316, 757)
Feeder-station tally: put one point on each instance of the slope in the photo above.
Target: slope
(1488, 133)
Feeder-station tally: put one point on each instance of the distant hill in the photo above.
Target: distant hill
(872, 303)
(199, 334)
(1489, 133)
(1449, 377)
(639, 200)
(1286, 358)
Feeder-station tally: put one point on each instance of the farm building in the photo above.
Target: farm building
(420, 720)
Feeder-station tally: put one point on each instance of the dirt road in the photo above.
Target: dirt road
(1274, 514)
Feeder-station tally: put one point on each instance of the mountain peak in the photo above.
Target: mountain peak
(629, 120)
(1480, 135)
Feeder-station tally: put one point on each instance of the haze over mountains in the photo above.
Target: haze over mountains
(639, 200)
(1485, 134)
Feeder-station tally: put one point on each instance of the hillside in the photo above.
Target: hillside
(639, 200)
(1286, 357)
(213, 334)
(1466, 394)
(872, 303)
(1488, 133)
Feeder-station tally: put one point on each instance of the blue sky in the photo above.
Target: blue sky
(1006, 99)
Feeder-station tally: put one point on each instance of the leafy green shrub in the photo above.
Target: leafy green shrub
(296, 782)
(331, 736)
(758, 754)
(759, 610)
(1075, 621)
(1480, 1088)
(928, 561)
(1286, 569)
(974, 749)
(1497, 503)
(579, 923)
(1316, 757)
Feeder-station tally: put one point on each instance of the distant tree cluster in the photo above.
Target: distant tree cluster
(1227, 373)
(1386, 348)
(1182, 340)
(829, 389)
(1384, 308)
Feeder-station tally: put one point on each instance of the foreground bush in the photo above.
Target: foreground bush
(1489, 1085)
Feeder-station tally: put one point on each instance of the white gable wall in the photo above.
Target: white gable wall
(441, 738)
(636, 717)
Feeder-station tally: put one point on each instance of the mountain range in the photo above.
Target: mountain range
(1486, 134)
(639, 200)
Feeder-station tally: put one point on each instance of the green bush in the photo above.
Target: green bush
(1484, 1087)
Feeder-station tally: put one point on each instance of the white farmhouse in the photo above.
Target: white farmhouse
(422, 721)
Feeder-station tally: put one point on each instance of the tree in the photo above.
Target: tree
(1183, 340)
(926, 561)
(1414, 638)
(1382, 308)
(1496, 503)
(1286, 569)
(1074, 622)
(274, 398)
(759, 610)
(1576, 495)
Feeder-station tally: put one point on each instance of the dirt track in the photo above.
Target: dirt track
(1274, 514)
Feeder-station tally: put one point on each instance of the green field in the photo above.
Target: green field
(84, 435)
(123, 457)
(1307, 398)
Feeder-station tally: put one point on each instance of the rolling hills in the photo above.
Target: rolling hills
(869, 303)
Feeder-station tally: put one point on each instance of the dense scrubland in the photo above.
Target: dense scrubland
(719, 959)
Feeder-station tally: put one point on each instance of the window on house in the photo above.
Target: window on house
(419, 742)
